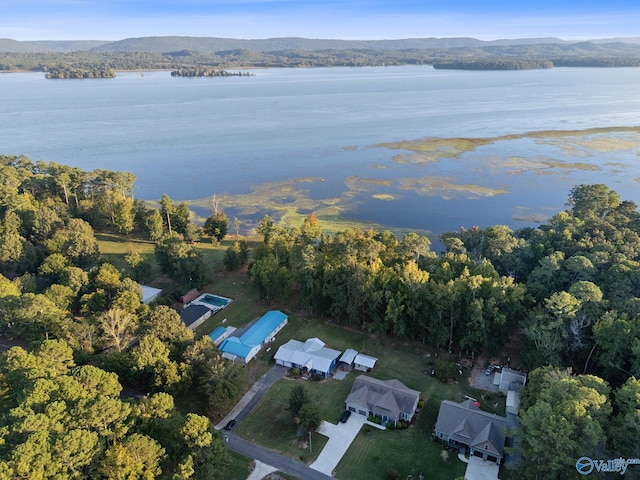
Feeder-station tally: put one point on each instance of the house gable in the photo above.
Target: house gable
(389, 399)
(464, 424)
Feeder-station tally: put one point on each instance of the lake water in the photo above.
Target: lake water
(233, 136)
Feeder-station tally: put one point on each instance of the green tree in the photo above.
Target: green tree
(571, 413)
(124, 215)
(181, 262)
(625, 428)
(151, 357)
(272, 280)
(236, 255)
(153, 224)
(297, 398)
(75, 241)
(309, 416)
(217, 226)
(137, 456)
(164, 323)
(265, 228)
(140, 266)
(592, 201)
(192, 233)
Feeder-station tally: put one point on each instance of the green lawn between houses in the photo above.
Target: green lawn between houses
(374, 452)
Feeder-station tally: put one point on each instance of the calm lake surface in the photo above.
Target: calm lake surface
(248, 139)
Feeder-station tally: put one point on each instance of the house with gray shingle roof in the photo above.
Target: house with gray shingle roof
(391, 400)
(465, 426)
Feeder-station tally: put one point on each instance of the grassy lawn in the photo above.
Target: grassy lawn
(374, 452)
(239, 468)
(271, 424)
(113, 249)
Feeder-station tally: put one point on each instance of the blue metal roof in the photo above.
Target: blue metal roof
(264, 327)
(217, 333)
(255, 335)
(234, 346)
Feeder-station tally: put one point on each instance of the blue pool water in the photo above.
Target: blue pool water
(214, 300)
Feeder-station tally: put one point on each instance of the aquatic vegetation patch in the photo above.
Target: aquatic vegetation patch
(289, 203)
(596, 144)
(526, 215)
(594, 140)
(544, 166)
(383, 196)
(446, 188)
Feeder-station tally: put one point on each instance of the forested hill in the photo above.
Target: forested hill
(217, 44)
(174, 53)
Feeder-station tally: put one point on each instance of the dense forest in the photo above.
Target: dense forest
(174, 53)
(567, 292)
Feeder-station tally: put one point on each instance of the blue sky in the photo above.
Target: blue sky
(344, 19)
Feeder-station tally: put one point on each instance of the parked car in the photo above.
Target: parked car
(345, 416)
(230, 424)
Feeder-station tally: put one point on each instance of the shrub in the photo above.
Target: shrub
(445, 369)
(392, 474)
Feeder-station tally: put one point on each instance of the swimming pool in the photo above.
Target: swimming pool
(213, 300)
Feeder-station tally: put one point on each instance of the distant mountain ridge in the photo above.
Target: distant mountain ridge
(164, 44)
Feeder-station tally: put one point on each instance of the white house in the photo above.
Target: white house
(311, 356)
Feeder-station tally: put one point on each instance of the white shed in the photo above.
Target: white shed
(364, 362)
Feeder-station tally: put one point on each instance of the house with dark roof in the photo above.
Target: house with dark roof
(464, 426)
(194, 315)
(312, 356)
(391, 400)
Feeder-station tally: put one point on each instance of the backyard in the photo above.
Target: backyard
(374, 452)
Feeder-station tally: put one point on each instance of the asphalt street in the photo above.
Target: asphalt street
(282, 463)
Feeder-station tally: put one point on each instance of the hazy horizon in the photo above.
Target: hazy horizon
(111, 20)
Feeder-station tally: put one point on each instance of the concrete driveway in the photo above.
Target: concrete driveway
(478, 469)
(340, 437)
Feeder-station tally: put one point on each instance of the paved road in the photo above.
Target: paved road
(254, 395)
(252, 450)
(282, 463)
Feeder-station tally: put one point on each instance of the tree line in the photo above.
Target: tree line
(207, 72)
(512, 57)
(568, 290)
(63, 413)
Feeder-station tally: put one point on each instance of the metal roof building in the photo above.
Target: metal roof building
(251, 342)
